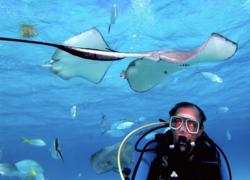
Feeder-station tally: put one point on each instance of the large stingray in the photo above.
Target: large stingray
(92, 57)
(105, 159)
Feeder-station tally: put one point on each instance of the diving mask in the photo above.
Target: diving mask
(192, 125)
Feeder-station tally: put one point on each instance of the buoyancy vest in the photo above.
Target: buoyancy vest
(203, 163)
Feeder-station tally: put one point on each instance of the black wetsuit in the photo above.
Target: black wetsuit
(203, 163)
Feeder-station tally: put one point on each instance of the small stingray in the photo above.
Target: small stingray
(105, 159)
(92, 57)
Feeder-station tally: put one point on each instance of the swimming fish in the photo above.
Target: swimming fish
(124, 125)
(34, 142)
(116, 129)
(22, 169)
(229, 136)
(30, 168)
(223, 109)
(113, 16)
(115, 133)
(55, 150)
(212, 77)
(73, 112)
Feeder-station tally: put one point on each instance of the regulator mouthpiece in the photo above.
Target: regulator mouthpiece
(184, 145)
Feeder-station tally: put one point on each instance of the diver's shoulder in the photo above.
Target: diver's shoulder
(206, 150)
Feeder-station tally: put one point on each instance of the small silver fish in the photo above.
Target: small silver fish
(113, 16)
(124, 125)
(224, 109)
(73, 112)
(212, 77)
(229, 136)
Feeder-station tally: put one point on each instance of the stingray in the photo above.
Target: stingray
(105, 159)
(87, 55)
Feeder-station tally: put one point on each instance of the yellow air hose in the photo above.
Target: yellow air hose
(126, 138)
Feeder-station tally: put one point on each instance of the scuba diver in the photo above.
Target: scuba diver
(183, 152)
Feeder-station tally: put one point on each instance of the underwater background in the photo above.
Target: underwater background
(35, 103)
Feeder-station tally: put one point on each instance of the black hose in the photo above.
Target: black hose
(222, 152)
(140, 158)
(145, 134)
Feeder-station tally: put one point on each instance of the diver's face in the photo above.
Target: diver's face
(190, 113)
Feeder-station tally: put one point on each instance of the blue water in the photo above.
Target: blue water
(35, 103)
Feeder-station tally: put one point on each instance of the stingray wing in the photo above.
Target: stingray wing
(216, 48)
(67, 66)
(144, 74)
